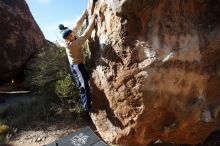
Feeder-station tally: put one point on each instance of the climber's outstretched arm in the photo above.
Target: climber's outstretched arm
(79, 23)
(87, 33)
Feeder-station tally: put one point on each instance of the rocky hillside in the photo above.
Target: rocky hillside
(156, 70)
(20, 37)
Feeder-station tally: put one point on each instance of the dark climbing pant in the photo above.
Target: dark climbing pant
(82, 80)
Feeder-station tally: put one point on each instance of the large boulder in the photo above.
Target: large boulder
(20, 37)
(156, 70)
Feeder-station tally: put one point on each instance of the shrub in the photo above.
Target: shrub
(48, 73)
(67, 92)
(45, 68)
(3, 128)
(87, 56)
(62, 88)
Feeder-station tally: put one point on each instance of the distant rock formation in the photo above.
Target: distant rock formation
(20, 37)
(156, 70)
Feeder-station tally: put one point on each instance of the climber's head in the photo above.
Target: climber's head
(66, 33)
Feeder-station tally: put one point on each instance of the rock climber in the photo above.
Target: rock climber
(75, 55)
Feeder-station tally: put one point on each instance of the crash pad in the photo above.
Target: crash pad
(82, 137)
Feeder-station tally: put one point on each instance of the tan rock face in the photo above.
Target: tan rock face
(20, 37)
(156, 70)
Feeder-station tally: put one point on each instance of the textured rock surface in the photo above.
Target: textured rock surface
(20, 37)
(156, 70)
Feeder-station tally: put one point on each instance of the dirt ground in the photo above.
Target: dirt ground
(39, 134)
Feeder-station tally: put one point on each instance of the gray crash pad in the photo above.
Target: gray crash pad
(82, 137)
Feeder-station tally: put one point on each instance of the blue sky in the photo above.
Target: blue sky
(50, 13)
